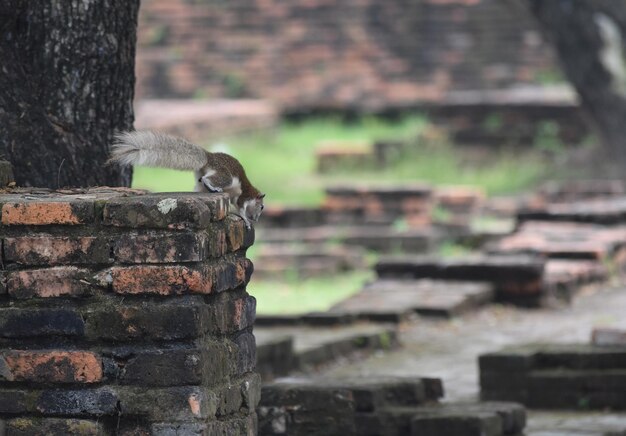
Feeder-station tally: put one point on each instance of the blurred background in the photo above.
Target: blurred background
(466, 100)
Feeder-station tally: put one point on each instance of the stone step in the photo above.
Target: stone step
(307, 260)
(573, 190)
(527, 280)
(515, 278)
(391, 300)
(554, 376)
(607, 211)
(375, 406)
(378, 238)
(315, 346)
(564, 240)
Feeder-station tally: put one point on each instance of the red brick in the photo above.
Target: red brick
(162, 279)
(161, 247)
(48, 282)
(51, 366)
(39, 213)
(55, 250)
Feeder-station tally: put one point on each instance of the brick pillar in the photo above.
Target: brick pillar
(125, 313)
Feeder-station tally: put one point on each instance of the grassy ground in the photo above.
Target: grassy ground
(302, 296)
(282, 164)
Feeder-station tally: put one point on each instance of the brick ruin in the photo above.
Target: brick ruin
(125, 313)
(365, 55)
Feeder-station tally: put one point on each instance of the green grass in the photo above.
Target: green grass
(282, 163)
(301, 296)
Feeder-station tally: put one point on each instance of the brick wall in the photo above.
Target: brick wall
(321, 54)
(125, 313)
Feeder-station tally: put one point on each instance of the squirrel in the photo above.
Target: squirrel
(214, 172)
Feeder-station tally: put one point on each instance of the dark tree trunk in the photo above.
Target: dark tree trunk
(590, 40)
(66, 85)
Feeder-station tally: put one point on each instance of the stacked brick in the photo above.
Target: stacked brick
(125, 313)
(379, 205)
(364, 55)
(379, 406)
(556, 376)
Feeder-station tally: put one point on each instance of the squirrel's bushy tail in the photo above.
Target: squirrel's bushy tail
(155, 149)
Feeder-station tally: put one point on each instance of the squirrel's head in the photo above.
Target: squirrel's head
(252, 208)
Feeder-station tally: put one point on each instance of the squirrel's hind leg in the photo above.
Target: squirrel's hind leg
(213, 181)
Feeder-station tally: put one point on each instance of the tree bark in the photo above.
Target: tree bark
(590, 40)
(66, 85)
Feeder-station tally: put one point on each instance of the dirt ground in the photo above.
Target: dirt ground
(449, 349)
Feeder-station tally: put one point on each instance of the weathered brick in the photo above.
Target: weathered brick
(180, 403)
(23, 323)
(39, 212)
(239, 236)
(246, 352)
(161, 247)
(53, 427)
(181, 319)
(56, 250)
(297, 408)
(251, 391)
(48, 282)
(77, 402)
(230, 274)
(50, 366)
(230, 399)
(218, 244)
(179, 429)
(456, 424)
(236, 425)
(228, 313)
(14, 401)
(206, 365)
(161, 280)
(171, 211)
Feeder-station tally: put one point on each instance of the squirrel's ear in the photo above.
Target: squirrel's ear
(261, 196)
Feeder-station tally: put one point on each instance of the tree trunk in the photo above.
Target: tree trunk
(590, 40)
(66, 85)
